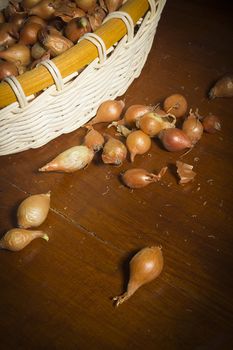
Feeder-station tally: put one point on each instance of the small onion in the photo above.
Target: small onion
(53, 41)
(176, 104)
(33, 211)
(114, 151)
(86, 5)
(108, 111)
(43, 9)
(223, 87)
(27, 4)
(36, 19)
(94, 139)
(18, 54)
(174, 140)
(193, 128)
(76, 28)
(18, 238)
(134, 112)
(28, 34)
(7, 69)
(145, 266)
(137, 143)
(211, 124)
(138, 178)
(113, 5)
(152, 123)
(74, 158)
(8, 34)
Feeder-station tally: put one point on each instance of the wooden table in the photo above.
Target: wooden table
(57, 295)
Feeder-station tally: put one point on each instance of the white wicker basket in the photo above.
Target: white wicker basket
(69, 103)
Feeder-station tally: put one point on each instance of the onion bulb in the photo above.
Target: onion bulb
(211, 124)
(223, 87)
(27, 4)
(18, 238)
(193, 128)
(36, 19)
(43, 9)
(175, 104)
(138, 178)
(18, 54)
(137, 142)
(74, 158)
(76, 28)
(8, 34)
(114, 151)
(145, 266)
(7, 69)
(108, 111)
(133, 113)
(152, 123)
(86, 5)
(94, 139)
(53, 41)
(113, 5)
(33, 211)
(174, 140)
(28, 34)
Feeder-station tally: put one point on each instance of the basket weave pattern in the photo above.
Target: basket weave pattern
(55, 112)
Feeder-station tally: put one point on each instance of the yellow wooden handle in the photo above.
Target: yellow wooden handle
(75, 58)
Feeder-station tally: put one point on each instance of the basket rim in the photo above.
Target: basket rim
(77, 57)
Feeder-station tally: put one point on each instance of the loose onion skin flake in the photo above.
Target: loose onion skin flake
(185, 172)
(222, 88)
(73, 159)
(211, 124)
(176, 104)
(138, 178)
(33, 211)
(18, 238)
(145, 266)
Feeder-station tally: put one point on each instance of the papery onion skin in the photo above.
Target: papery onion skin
(211, 124)
(8, 34)
(108, 111)
(138, 178)
(33, 211)
(176, 104)
(174, 140)
(152, 123)
(185, 172)
(114, 152)
(2, 18)
(53, 41)
(18, 238)
(71, 160)
(222, 88)
(37, 51)
(137, 142)
(94, 139)
(133, 113)
(145, 266)
(193, 128)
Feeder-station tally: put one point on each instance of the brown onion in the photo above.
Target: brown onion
(193, 128)
(174, 140)
(7, 69)
(76, 28)
(138, 178)
(74, 158)
(108, 111)
(18, 238)
(137, 143)
(27, 4)
(36, 19)
(211, 124)
(223, 87)
(8, 34)
(2, 18)
(18, 54)
(145, 266)
(94, 139)
(53, 41)
(18, 19)
(33, 211)
(12, 8)
(28, 34)
(86, 5)
(44, 9)
(176, 104)
(113, 5)
(114, 151)
(133, 113)
(37, 51)
(152, 123)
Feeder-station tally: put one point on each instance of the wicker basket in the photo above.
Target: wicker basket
(69, 99)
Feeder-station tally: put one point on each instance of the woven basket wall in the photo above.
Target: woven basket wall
(54, 112)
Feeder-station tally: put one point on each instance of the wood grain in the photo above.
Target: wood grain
(57, 294)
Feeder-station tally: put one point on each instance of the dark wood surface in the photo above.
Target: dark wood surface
(57, 295)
